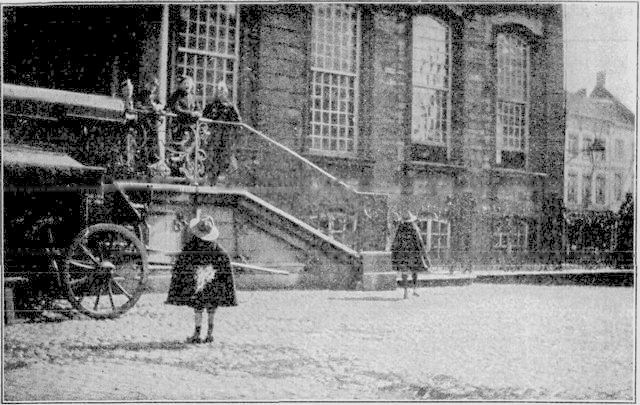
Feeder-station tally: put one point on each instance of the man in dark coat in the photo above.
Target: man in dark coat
(408, 253)
(202, 277)
(223, 135)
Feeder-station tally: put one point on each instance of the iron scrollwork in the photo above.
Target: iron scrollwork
(186, 150)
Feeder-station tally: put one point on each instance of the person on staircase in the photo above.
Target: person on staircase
(183, 101)
(223, 135)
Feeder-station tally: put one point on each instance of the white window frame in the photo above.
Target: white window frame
(340, 144)
(601, 156)
(510, 101)
(587, 142)
(509, 229)
(441, 251)
(426, 227)
(600, 189)
(572, 144)
(619, 151)
(420, 134)
(586, 182)
(332, 219)
(617, 186)
(205, 88)
(572, 188)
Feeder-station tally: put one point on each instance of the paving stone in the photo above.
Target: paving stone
(478, 342)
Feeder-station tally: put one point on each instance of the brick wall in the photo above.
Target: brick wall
(497, 193)
(274, 97)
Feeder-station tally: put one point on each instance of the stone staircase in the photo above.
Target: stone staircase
(252, 232)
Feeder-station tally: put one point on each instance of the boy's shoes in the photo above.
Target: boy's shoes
(194, 339)
(415, 294)
(197, 339)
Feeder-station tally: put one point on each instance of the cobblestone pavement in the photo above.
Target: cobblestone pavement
(490, 342)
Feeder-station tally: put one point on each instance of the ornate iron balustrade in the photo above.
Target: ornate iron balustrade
(265, 167)
(161, 148)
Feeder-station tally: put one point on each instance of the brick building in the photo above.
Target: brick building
(354, 113)
(599, 166)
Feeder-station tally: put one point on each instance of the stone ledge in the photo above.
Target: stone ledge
(376, 262)
(379, 281)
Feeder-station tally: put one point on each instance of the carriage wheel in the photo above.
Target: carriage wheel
(105, 271)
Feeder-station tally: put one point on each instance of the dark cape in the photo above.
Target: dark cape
(407, 249)
(190, 266)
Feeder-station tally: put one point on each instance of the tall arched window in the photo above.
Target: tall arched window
(335, 49)
(512, 105)
(431, 73)
(208, 47)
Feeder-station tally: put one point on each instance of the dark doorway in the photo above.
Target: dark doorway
(79, 48)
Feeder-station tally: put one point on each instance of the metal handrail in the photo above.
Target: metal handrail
(294, 154)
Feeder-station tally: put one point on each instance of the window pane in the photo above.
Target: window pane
(572, 146)
(207, 47)
(600, 190)
(431, 79)
(572, 189)
(586, 189)
(618, 187)
(619, 153)
(429, 117)
(511, 125)
(334, 78)
(512, 55)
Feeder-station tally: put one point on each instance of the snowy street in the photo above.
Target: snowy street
(483, 341)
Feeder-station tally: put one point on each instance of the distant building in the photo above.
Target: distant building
(454, 112)
(599, 166)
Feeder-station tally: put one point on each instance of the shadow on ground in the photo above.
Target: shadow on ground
(134, 346)
(365, 299)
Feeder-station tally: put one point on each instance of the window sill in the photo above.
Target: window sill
(517, 172)
(338, 160)
(422, 166)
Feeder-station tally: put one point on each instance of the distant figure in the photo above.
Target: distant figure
(202, 277)
(224, 136)
(183, 101)
(408, 253)
(150, 96)
(150, 101)
(126, 90)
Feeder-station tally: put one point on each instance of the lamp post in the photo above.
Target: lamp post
(592, 151)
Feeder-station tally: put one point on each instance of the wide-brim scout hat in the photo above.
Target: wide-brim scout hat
(204, 228)
(409, 217)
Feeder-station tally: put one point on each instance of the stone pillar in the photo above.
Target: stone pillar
(164, 55)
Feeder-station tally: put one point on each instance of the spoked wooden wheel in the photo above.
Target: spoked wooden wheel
(105, 271)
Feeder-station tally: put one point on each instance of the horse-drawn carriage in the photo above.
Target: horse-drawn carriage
(68, 236)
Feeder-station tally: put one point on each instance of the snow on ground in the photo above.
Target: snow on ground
(483, 341)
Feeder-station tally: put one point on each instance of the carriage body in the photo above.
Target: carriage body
(70, 236)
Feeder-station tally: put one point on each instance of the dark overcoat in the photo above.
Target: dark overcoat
(407, 249)
(223, 136)
(192, 284)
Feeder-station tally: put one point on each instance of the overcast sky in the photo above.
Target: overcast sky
(602, 36)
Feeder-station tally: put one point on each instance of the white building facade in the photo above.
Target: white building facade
(599, 167)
